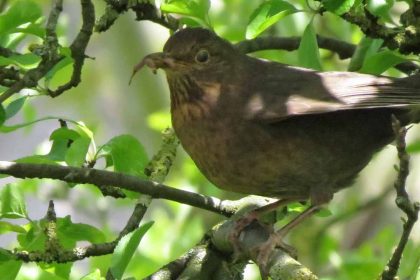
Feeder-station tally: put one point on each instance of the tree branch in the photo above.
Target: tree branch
(343, 49)
(78, 47)
(143, 11)
(406, 38)
(102, 177)
(402, 200)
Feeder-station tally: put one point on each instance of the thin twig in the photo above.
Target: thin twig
(78, 47)
(49, 55)
(402, 200)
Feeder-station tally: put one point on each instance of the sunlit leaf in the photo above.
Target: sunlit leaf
(12, 204)
(20, 12)
(33, 28)
(381, 9)
(338, 7)
(381, 61)
(96, 275)
(308, 51)
(126, 249)
(6, 227)
(25, 61)
(296, 207)
(192, 8)
(267, 14)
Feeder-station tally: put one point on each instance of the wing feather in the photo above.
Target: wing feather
(290, 91)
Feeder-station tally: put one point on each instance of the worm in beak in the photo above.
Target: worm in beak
(154, 61)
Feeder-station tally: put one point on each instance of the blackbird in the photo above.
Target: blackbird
(260, 127)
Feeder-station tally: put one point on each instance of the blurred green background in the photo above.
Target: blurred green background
(356, 245)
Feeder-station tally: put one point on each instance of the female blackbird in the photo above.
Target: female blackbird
(265, 128)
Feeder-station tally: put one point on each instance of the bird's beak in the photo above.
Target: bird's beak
(154, 61)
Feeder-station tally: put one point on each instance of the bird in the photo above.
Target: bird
(265, 128)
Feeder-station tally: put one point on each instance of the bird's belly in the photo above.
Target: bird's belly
(284, 161)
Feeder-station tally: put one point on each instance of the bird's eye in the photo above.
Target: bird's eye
(202, 56)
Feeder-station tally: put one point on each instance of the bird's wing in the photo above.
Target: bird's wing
(289, 91)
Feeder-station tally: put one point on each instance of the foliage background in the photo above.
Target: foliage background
(353, 248)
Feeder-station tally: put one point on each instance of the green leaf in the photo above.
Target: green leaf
(12, 204)
(192, 8)
(33, 28)
(76, 154)
(5, 256)
(10, 269)
(267, 14)
(14, 107)
(338, 7)
(381, 9)
(60, 65)
(64, 133)
(96, 275)
(381, 61)
(40, 159)
(62, 138)
(324, 212)
(126, 249)
(413, 148)
(72, 232)
(2, 115)
(127, 154)
(20, 12)
(6, 227)
(25, 61)
(296, 207)
(7, 129)
(366, 47)
(34, 238)
(308, 52)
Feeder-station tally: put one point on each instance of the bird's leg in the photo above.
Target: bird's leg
(276, 240)
(248, 218)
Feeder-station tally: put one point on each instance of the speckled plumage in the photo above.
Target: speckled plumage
(259, 127)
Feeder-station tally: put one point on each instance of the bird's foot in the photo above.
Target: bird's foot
(264, 251)
(250, 217)
(240, 225)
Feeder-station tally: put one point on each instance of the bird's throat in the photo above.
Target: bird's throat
(191, 100)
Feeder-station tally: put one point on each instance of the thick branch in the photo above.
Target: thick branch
(281, 266)
(102, 177)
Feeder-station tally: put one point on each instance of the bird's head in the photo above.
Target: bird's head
(195, 52)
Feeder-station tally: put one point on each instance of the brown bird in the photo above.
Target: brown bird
(265, 128)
